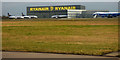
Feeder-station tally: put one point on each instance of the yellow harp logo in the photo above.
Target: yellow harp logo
(51, 8)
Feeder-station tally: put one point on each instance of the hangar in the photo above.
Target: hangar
(48, 11)
(72, 11)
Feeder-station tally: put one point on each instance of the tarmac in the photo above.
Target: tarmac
(45, 55)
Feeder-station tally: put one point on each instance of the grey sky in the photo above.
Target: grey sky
(44, 4)
(0, 9)
(16, 8)
(60, 0)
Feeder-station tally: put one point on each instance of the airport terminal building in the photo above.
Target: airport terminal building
(72, 11)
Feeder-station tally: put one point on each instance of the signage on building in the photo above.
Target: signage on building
(51, 8)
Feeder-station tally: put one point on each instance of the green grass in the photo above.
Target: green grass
(88, 37)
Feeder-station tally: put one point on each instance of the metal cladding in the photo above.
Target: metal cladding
(48, 11)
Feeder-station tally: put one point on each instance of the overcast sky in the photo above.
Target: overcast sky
(8, 7)
(60, 0)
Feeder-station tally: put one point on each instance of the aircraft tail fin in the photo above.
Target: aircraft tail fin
(23, 14)
(9, 14)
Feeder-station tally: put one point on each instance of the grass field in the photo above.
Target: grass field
(75, 36)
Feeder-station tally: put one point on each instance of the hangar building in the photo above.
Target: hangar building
(48, 11)
(72, 11)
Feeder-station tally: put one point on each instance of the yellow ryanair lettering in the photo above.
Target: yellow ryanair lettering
(59, 8)
(39, 9)
(31, 9)
(69, 7)
(74, 7)
(65, 8)
(52, 8)
(62, 8)
(36, 9)
(56, 8)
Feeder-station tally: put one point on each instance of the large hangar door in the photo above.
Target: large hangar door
(75, 13)
(44, 14)
(51, 13)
